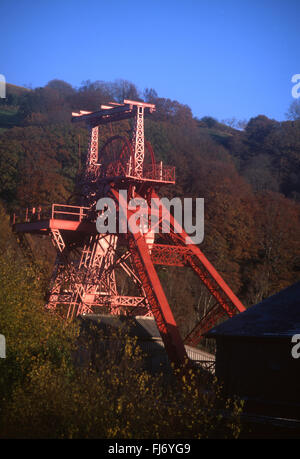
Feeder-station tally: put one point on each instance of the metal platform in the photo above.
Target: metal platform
(57, 217)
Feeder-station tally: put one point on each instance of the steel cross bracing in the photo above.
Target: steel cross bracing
(138, 142)
(92, 157)
(88, 283)
(90, 266)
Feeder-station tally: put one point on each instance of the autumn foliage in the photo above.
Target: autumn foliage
(250, 182)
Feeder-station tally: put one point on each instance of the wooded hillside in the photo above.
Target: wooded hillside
(248, 177)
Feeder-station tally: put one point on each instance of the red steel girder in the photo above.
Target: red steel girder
(169, 255)
(207, 322)
(112, 112)
(157, 300)
(204, 269)
(154, 292)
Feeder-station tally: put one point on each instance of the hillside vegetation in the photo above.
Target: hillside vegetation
(250, 178)
(250, 182)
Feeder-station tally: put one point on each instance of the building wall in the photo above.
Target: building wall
(258, 368)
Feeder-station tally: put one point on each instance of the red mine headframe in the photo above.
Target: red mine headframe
(85, 278)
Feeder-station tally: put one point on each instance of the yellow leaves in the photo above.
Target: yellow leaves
(128, 350)
(46, 395)
(119, 406)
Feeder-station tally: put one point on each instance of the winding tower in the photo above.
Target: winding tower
(85, 279)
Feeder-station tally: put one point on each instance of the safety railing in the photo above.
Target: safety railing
(56, 211)
(156, 172)
(67, 212)
(31, 214)
(159, 172)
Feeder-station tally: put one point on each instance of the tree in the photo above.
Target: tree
(90, 95)
(293, 112)
(65, 89)
(124, 89)
(209, 121)
(277, 230)
(236, 124)
(257, 130)
(150, 95)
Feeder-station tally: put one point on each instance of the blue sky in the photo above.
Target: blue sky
(223, 58)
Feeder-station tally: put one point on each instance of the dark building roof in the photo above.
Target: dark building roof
(142, 327)
(276, 316)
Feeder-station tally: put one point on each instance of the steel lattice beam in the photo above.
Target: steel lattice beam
(170, 255)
